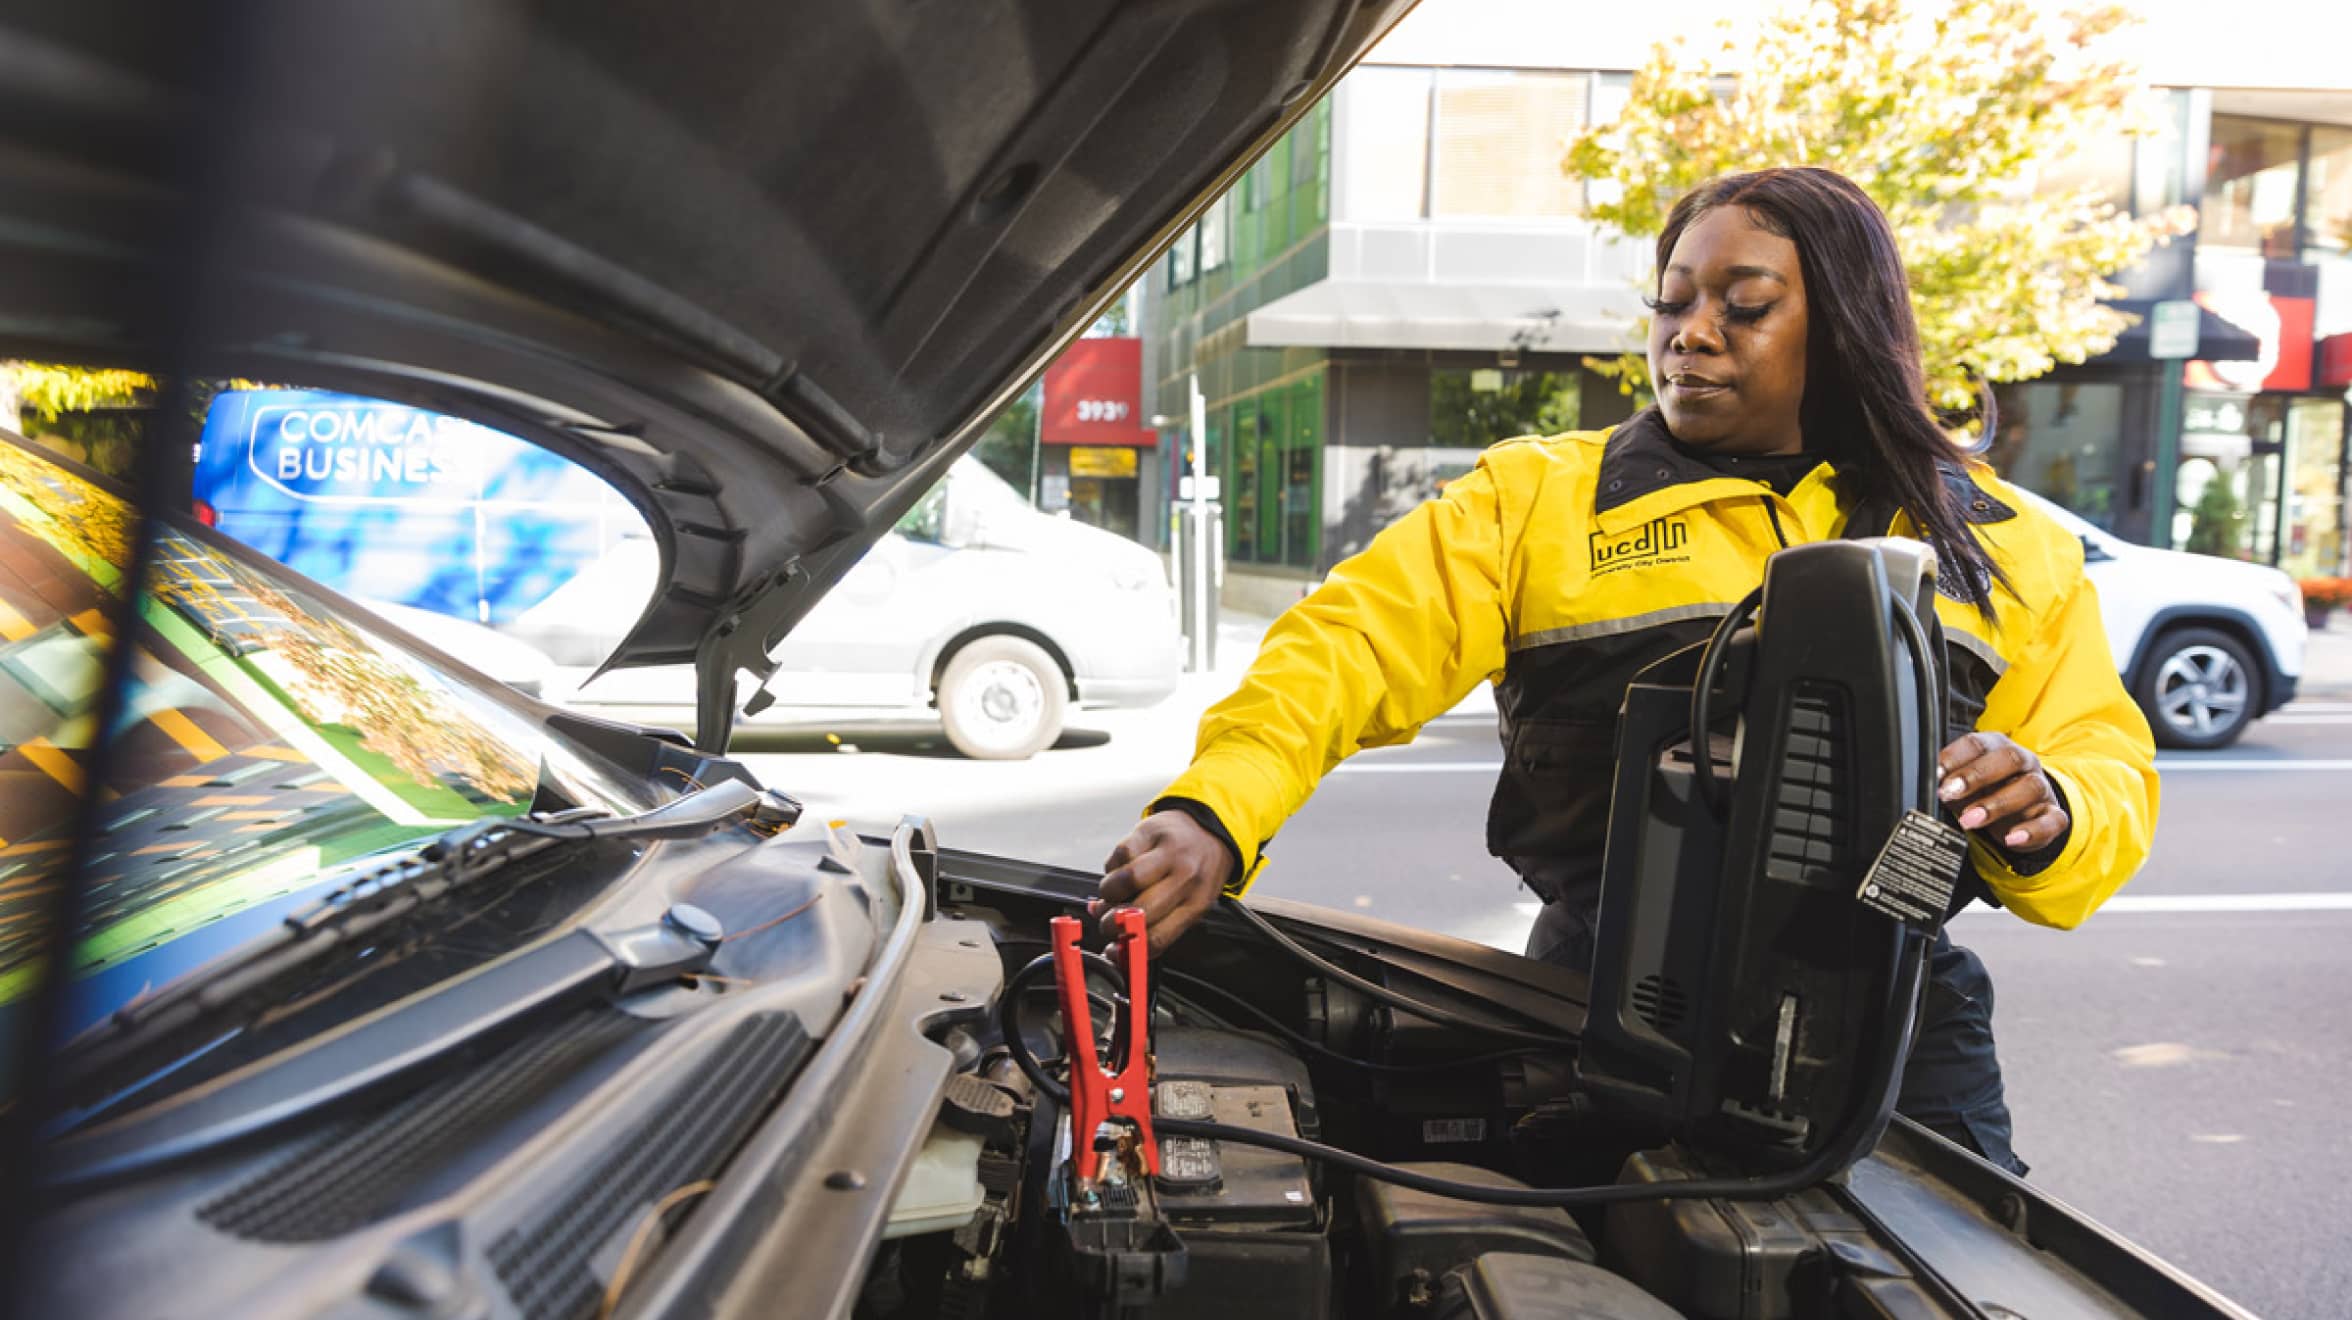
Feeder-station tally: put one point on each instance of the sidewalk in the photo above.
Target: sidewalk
(2327, 664)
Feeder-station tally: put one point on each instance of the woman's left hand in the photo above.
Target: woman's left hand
(1998, 787)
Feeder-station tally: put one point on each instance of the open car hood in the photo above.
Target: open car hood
(765, 268)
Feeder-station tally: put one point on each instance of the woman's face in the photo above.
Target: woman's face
(1727, 341)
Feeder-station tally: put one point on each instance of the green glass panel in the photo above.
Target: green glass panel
(1302, 506)
(1241, 514)
(1274, 421)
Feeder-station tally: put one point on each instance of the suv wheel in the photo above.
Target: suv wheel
(2198, 689)
(1001, 699)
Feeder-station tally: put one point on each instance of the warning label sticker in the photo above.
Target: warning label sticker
(1915, 873)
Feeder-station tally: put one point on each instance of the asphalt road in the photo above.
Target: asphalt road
(2177, 1067)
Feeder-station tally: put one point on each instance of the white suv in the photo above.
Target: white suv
(2206, 645)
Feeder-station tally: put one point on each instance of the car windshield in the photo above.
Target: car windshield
(272, 737)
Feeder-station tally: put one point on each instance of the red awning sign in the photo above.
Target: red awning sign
(1094, 395)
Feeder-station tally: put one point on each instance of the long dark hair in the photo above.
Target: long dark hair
(1865, 403)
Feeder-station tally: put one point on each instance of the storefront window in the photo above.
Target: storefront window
(1274, 510)
(2226, 495)
(1386, 144)
(2315, 530)
(1242, 523)
(1498, 139)
(2210, 506)
(2162, 158)
(2327, 227)
(2250, 186)
(2327, 214)
(2060, 440)
(1470, 409)
(1302, 505)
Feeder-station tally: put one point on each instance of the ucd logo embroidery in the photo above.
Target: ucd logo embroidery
(1650, 543)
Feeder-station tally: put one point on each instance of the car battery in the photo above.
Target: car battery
(1252, 1225)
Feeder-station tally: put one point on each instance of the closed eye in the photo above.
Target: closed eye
(1732, 311)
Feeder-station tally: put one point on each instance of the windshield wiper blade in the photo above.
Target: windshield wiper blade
(143, 1037)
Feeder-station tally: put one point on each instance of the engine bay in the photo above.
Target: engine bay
(1261, 1128)
(995, 1221)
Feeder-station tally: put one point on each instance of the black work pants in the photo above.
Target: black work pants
(1952, 1081)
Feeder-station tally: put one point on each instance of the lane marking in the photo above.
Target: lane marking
(2165, 764)
(2317, 901)
(2300, 712)
(2170, 766)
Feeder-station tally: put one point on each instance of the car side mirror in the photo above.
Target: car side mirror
(2093, 552)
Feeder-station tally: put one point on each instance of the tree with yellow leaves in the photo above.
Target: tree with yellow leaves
(1946, 114)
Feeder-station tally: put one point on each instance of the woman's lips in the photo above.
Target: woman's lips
(1697, 389)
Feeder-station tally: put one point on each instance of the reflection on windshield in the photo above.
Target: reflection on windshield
(268, 738)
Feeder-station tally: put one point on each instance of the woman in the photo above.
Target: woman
(1791, 407)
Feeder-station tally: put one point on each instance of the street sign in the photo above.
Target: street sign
(1200, 488)
(2172, 330)
(1102, 461)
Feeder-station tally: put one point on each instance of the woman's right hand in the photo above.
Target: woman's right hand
(1172, 868)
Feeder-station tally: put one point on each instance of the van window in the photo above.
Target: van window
(392, 503)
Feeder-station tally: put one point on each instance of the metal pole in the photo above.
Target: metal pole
(2168, 431)
(1037, 453)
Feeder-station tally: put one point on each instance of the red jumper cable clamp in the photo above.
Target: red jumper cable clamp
(1097, 1095)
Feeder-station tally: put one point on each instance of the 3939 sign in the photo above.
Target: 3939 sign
(1093, 395)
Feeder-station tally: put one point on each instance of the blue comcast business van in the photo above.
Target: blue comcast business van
(976, 605)
(397, 504)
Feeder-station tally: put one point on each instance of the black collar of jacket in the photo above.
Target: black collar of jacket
(1640, 458)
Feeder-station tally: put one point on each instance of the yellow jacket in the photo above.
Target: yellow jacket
(1561, 566)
